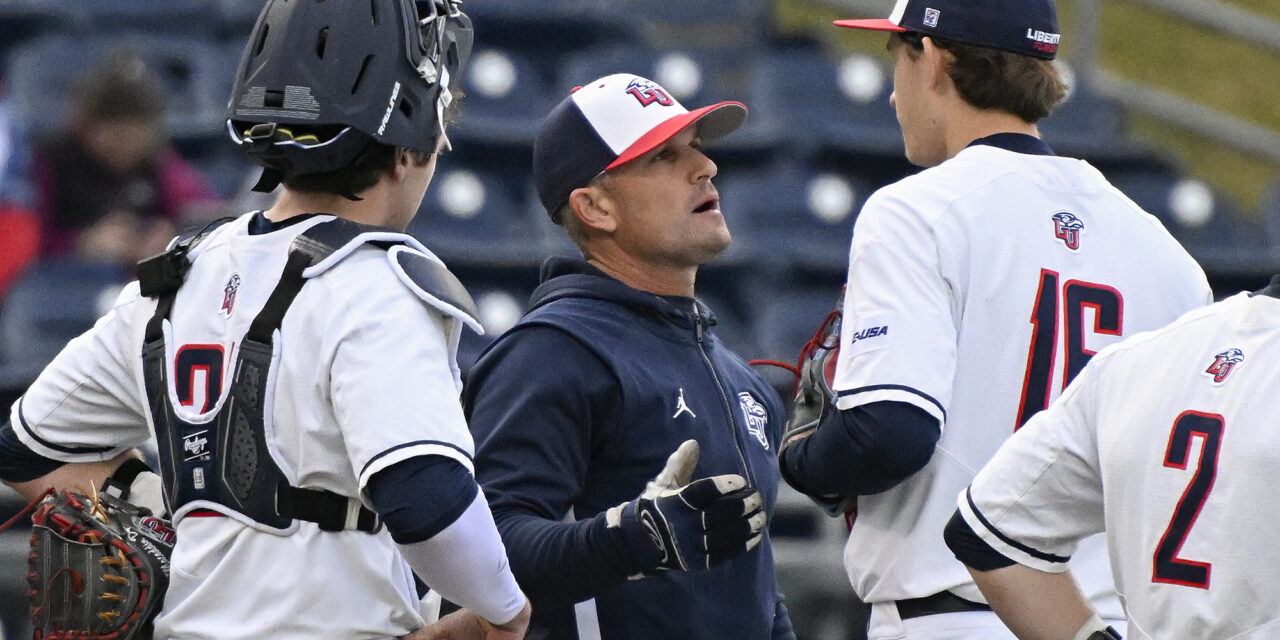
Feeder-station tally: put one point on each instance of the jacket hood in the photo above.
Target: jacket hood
(564, 277)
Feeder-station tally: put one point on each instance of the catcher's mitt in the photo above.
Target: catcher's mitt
(99, 568)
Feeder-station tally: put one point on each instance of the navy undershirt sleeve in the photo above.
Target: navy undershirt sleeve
(18, 463)
(535, 403)
(864, 450)
(970, 549)
(420, 497)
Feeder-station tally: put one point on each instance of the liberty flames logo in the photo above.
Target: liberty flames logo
(1223, 364)
(1067, 228)
(229, 294)
(648, 93)
(757, 417)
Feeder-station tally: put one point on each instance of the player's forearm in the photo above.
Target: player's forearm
(79, 476)
(860, 451)
(1034, 604)
(467, 565)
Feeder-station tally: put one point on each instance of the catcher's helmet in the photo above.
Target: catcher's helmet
(318, 80)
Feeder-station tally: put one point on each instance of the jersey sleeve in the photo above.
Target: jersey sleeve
(1042, 492)
(87, 405)
(898, 337)
(392, 385)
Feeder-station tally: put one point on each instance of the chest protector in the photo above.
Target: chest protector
(224, 464)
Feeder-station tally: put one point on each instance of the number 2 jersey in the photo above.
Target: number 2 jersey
(1168, 442)
(976, 289)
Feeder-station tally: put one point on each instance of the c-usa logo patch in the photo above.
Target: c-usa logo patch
(1223, 364)
(755, 416)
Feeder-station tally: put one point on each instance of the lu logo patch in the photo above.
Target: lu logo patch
(229, 294)
(755, 416)
(1223, 364)
(1067, 228)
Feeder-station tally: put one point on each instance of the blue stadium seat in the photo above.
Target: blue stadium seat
(721, 287)
(792, 310)
(475, 214)
(167, 16)
(502, 297)
(237, 17)
(1206, 222)
(548, 29)
(666, 23)
(1085, 124)
(827, 104)
(42, 73)
(694, 76)
(792, 214)
(506, 97)
(220, 162)
(48, 306)
(693, 13)
(22, 20)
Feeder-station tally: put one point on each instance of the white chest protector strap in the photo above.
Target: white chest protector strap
(238, 476)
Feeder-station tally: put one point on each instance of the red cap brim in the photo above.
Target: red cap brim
(878, 24)
(720, 119)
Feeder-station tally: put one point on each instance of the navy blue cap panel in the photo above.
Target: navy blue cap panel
(1028, 27)
(567, 154)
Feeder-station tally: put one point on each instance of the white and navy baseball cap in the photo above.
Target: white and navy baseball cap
(610, 122)
(1029, 27)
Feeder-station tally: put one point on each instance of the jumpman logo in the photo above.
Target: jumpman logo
(683, 407)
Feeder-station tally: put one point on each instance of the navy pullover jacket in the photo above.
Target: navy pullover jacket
(576, 408)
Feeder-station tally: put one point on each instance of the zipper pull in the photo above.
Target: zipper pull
(697, 322)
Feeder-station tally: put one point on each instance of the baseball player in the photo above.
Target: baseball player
(1165, 442)
(977, 289)
(297, 365)
(628, 456)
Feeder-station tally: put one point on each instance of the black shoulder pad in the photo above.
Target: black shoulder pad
(194, 237)
(164, 273)
(323, 239)
(437, 281)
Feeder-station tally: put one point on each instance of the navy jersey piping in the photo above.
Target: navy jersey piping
(1048, 557)
(1015, 142)
(412, 444)
(45, 443)
(898, 387)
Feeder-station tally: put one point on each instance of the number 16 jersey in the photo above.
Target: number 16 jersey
(976, 290)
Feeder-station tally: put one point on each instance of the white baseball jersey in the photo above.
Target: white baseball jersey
(364, 377)
(1167, 441)
(976, 289)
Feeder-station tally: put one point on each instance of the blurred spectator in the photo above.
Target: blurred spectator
(18, 224)
(110, 187)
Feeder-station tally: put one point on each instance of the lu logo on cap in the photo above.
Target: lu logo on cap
(610, 122)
